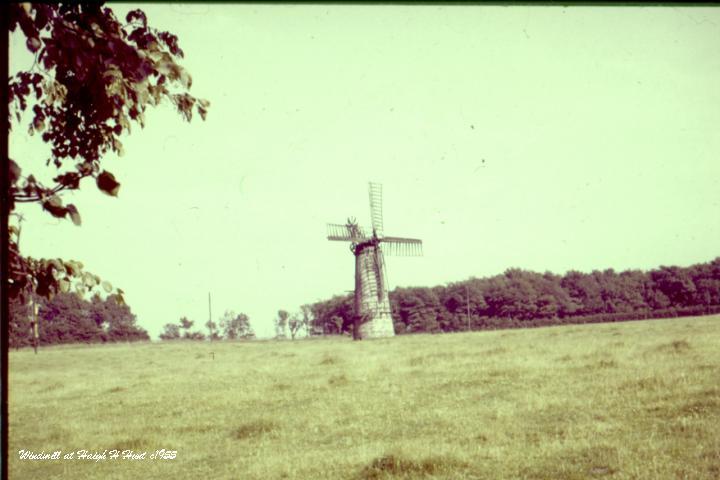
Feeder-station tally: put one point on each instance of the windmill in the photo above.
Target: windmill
(372, 315)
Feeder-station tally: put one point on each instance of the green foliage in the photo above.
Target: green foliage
(49, 277)
(186, 324)
(68, 318)
(236, 326)
(232, 326)
(213, 329)
(297, 321)
(19, 325)
(194, 336)
(334, 316)
(307, 319)
(520, 298)
(281, 323)
(93, 76)
(171, 331)
(417, 310)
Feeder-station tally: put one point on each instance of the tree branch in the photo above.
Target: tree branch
(25, 198)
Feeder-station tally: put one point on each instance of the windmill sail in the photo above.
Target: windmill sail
(376, 214)
(409, 247)
(347, 232)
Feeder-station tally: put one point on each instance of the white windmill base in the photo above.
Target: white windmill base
(378, 327)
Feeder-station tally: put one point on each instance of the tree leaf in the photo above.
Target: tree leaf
(71, 268)
(15, 171)
(33, 44)
(74, 215)
(70, 180)
(89, 280)
(55, 207)
(106, 182)
(185, 78)
(136, 15)
(57, 264)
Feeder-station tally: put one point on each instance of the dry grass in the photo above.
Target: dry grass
(552, 403)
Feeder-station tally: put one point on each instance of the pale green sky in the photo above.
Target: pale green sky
(598, 127)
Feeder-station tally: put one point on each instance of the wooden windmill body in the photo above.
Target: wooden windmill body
(372, 313)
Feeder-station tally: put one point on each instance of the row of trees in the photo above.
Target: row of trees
(517, 298)
(520, 298)
(232, 326)
(68, 318)
(294, 323)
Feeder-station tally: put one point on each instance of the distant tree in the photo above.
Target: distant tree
(93, 75)
(306, 318)
(19, 325)
(249, 334)
(294, 323)
(336, 324)
(415, 309)
(522, 298)
(227, 323)
(194, 336)
(281, 323)
(707, 282)
(186, 324)
(116, 320)
(171, 331)
(68, 318)
(676, 284)
(585, 291)
(333, 316)
(236, 326)
(213, 333)
(463, 303)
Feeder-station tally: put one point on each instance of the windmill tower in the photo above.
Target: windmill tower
(372, 306)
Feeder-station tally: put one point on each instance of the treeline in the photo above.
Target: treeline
(520, 298)
(68, 318)
(232, 326)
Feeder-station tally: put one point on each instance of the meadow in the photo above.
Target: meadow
(635, 400)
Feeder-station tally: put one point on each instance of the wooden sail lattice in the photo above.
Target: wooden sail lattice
(376, 215)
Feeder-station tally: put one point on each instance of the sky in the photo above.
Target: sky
(543, 138)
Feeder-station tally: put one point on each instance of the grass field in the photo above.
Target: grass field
(636, 400)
